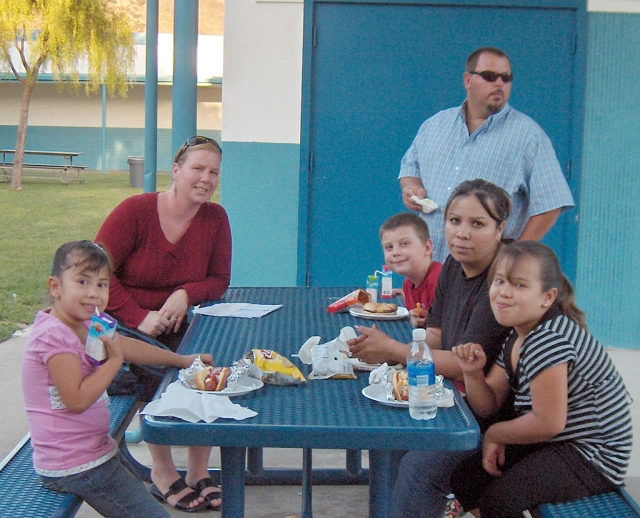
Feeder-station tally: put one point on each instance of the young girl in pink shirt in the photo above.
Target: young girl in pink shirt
(65, 393)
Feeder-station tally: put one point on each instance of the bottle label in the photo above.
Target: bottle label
(421, 374)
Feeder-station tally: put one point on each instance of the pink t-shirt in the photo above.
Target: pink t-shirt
(61, 440)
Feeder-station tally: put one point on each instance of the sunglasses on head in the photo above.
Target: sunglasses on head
(491, 77)
(196, 141)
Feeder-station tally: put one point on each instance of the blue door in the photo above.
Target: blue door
(373, 72)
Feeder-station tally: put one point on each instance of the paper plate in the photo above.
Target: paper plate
(361, 366)
(377, 393)
(244, 387)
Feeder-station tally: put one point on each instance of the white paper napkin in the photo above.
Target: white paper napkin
(306, 351)
(427, 205)
(237, 309)
(192, 406)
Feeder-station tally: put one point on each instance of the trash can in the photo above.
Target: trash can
(136, 171)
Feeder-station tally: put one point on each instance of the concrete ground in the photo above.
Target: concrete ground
(270, 501)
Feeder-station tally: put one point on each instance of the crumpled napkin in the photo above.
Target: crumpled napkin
(193, 406)
(427, 204)
(330, 359)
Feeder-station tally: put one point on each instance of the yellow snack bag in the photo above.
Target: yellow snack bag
(276, 369)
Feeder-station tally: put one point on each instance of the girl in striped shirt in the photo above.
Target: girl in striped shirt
(572, 434)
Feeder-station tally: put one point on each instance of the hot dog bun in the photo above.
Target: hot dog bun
(400, 385)
(380, 307)
(212, 378)
(222, 379)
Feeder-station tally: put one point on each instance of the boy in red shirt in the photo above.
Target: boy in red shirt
(407, 247)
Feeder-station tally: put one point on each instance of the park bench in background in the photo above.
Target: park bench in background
(66, 171)
(21, 492)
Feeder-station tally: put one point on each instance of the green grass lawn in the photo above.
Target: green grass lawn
(35, 221)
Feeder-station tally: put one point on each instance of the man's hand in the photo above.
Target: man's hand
(412, 186)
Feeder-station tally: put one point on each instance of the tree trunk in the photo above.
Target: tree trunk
(21, 137)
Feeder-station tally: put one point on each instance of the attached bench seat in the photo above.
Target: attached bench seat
(67, 173)
(21, 492)
(53, 167)
(618, 504)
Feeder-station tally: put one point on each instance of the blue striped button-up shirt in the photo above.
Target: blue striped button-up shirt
(510, 149)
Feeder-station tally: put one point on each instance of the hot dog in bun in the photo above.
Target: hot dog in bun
(212, 378)
(380, 307)
(400, 385)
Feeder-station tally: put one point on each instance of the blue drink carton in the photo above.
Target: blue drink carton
(101, 324)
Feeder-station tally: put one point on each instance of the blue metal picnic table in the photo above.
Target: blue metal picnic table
(325, 414)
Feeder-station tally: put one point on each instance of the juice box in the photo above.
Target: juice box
(102, 324)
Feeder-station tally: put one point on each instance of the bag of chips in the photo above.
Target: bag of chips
(274, 368)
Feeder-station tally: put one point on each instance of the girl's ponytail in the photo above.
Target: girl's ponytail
(566, 300)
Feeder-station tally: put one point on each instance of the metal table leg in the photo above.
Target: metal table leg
(380, 482)
(354, 462)
(232, 476)
(255, 465)
(307, 482)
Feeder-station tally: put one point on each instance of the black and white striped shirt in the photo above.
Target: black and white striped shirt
(598, 417)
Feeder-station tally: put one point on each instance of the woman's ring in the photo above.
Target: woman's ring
(173, 318)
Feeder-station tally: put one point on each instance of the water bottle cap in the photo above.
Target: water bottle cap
(385, 268)
(419, 334)
(371, 278)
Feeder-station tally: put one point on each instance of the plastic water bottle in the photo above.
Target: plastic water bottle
(422, 378)
(386, 284)
(372, 287)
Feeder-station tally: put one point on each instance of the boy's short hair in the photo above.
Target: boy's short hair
(407, 219)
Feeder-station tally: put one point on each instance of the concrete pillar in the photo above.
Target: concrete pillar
(151, 99)
(185, 76)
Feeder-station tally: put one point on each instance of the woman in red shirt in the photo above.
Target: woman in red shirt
(171, 250)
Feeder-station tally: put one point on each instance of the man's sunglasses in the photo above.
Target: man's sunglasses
(491, 77)
(196, 141)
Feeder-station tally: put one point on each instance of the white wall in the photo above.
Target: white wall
(614, 6)
(53, 107)
(262, 71)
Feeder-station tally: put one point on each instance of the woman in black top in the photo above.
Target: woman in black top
(475, 217)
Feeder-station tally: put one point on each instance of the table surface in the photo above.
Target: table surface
(319, 414)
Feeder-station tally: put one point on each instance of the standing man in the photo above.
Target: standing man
(486, 138)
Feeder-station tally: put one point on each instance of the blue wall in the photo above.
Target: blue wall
(608, 281)
(607, 284)
(259, 189)
(120, 144)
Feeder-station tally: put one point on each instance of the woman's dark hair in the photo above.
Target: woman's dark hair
(495, 200)
(80, 254)
(551, 275)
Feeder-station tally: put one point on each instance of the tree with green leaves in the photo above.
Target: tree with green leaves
(67, 36)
